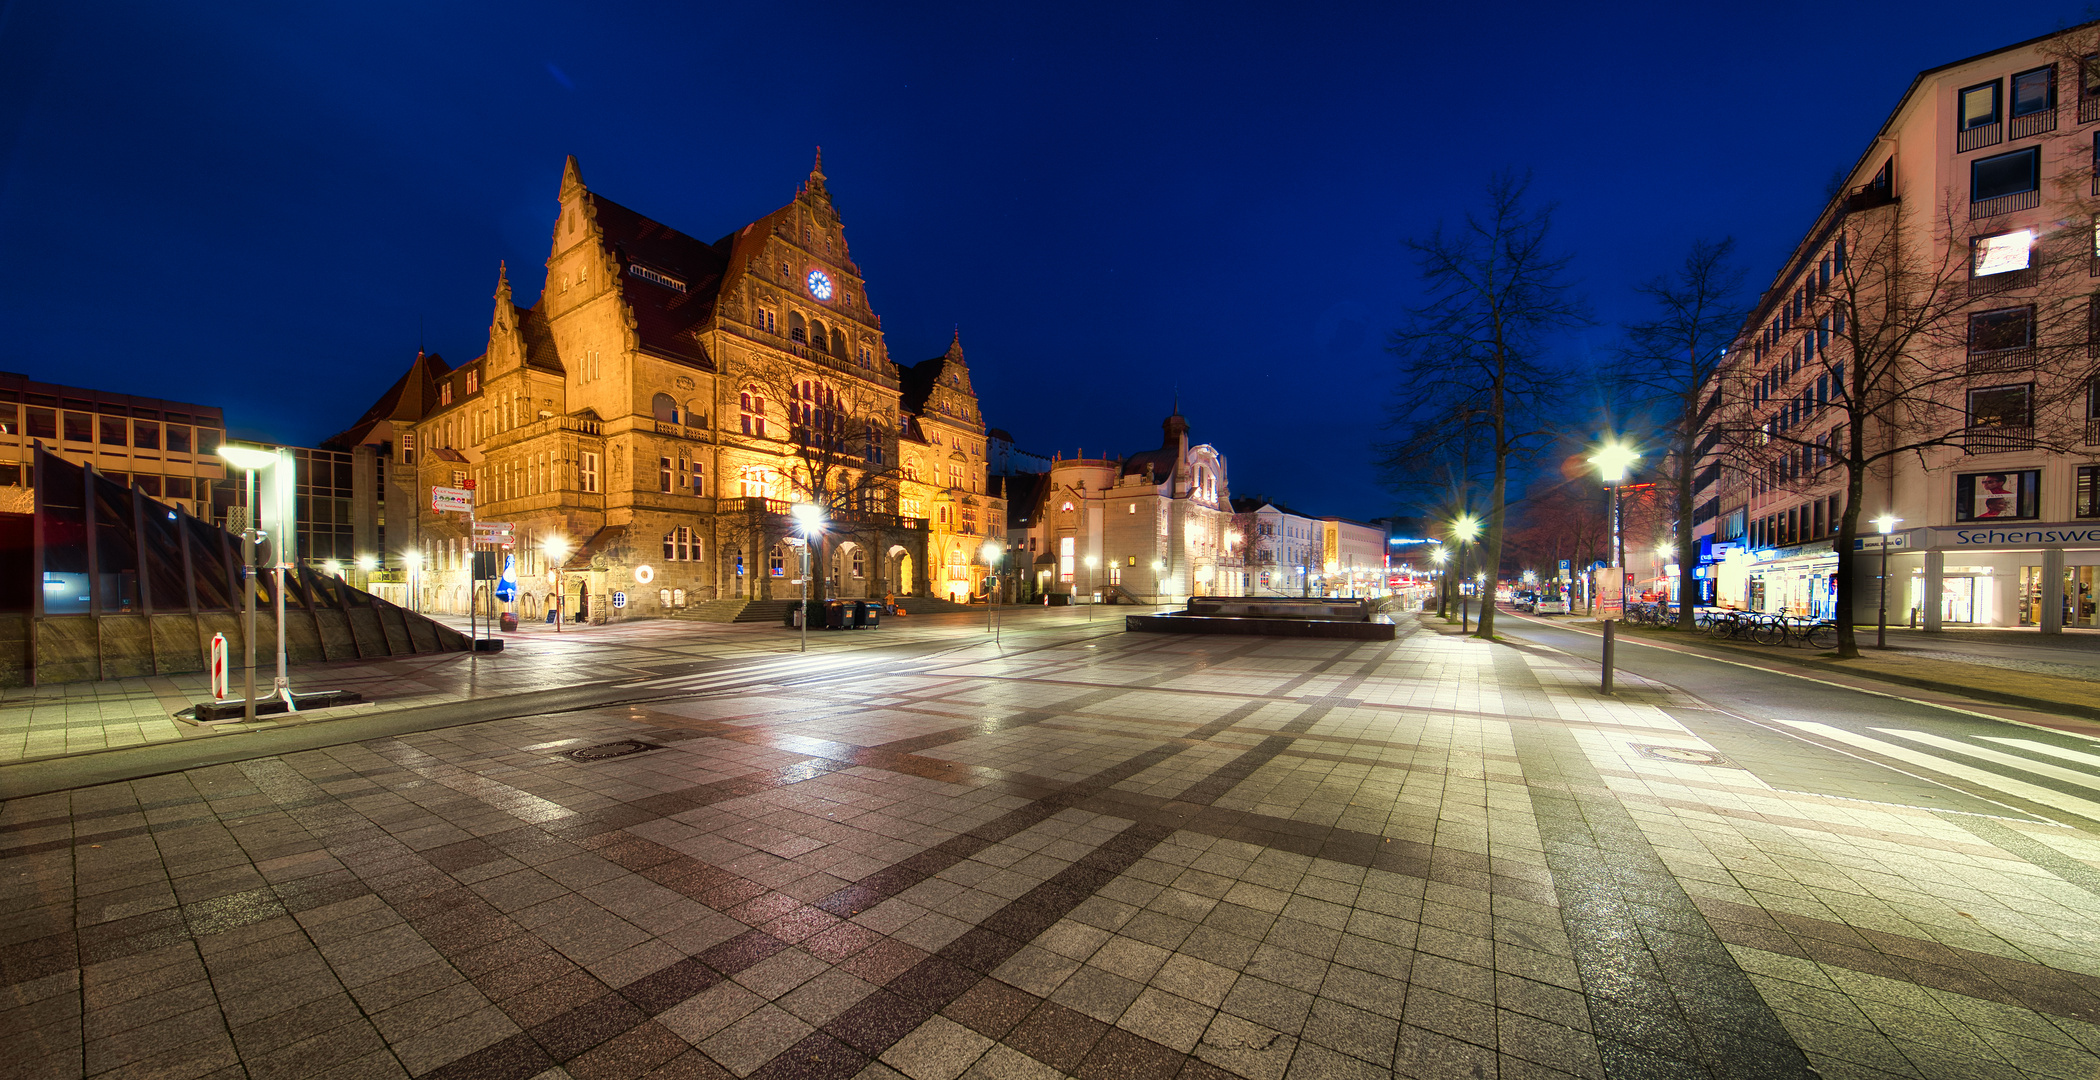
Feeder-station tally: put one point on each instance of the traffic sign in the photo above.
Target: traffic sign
(454, 500)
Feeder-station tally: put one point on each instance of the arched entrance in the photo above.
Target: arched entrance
(899, 579)
(849, 571)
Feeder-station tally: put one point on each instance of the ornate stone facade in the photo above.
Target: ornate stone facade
(661, 406)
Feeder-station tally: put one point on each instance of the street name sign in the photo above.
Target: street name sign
(451, 500)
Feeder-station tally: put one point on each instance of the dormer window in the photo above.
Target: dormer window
(473, 381)
(664, 280)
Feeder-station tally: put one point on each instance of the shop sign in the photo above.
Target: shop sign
(1983, 536)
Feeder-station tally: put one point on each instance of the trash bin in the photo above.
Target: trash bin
(835, 616)
(860, 614)
(508, 621)
(795, 616)
(874, 616)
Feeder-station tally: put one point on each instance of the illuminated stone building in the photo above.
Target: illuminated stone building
(659, 408)
(1157, 524)
(944, 473)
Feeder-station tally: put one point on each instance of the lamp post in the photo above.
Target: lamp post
(1090, 561)
(413, 560)
(1443, 589)
(1887, 524)
(555, 549)
(1464, 528)
(1612, 460)
(249, 460)
(991, 551)
(811, 517)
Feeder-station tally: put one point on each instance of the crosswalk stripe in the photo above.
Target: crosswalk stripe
(2045, 748)
(1990, 781)
(2039, 768)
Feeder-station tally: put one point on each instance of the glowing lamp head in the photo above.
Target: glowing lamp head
(1092, 562)
(810, 515)
(412, 559)
(367, 563)
(991, 551)
(1440, 556)
(333, 567)
(555, 548)
(1613, 459)
(247, 457)
(1886, 523)
(1465, 527)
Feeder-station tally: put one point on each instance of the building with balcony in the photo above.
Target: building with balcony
(657, 410)
(1931, 333)
(946, 474)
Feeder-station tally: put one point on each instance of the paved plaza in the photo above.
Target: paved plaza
(1078, 853)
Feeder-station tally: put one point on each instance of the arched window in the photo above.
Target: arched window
(664, 408)
(838, 344)
(663, 597)
(867, 355)
(860, 563)
(817, 335)
(797, 329)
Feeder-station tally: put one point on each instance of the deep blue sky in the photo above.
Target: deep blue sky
(259, 205)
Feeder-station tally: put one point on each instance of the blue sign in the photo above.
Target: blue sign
(619, 599)
(1564, 566)
(507, 585)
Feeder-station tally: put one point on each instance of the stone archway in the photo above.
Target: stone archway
(899, 579)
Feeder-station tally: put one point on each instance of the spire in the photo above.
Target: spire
(571, 175)
(816, 176)
(1177, 399)
(503, 276)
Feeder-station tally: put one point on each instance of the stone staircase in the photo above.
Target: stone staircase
(715, 611)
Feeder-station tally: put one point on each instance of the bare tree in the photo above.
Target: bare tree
(1868, 350)
(1474, 378)
(1668, 363)
(840, 438)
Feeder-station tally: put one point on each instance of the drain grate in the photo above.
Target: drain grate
(1682, 755)
(603, 751)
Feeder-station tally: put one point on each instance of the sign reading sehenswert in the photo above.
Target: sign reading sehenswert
(2015, 536)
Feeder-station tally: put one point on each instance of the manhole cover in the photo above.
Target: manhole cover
(1681, 755)
(603, 751)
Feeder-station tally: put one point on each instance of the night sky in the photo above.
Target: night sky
(267, 207)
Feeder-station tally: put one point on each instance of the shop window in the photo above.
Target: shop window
(1998, 496)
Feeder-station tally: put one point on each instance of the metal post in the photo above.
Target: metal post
(1609, 626)
(805, 589)
(1881, 630)
(283, 687)
(248, 586)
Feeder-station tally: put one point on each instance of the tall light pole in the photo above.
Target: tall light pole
(1440, 556)
(248, 460)
(1090, 562)
(1464, 528)
(1887, 524)
(811, 518)
(991, 588)
(1612, 461)
(555, 549)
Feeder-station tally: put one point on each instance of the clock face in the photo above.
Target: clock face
(820, 284)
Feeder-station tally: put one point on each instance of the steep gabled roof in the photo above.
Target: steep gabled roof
(407, 400)
(667, 319)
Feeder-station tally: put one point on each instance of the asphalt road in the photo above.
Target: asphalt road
(1804, 735)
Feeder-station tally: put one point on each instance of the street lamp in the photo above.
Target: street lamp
(810, 517)
(991, 551)
(555, 549)
(1090, 562)
(250, 460)
(1612, 460)
(1887, 524)
(1443, 586)
(1464, 528)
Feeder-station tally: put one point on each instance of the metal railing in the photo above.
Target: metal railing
(2005, 204)
(1994, 361)
(2032, 124)
(1979, 136)
(2088, 108)
(1997, 440)
(2092, 431)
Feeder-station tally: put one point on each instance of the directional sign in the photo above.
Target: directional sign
(493, 532)
(445, 499)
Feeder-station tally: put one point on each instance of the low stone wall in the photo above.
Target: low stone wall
(1188, 623)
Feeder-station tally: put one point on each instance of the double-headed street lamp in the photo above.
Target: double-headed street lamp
(810, 517)
(251, 461)
(1613, 459)
(1887, 524)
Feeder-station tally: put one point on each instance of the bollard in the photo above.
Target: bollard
(1609, 624)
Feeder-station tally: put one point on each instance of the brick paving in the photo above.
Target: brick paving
(1126, 857)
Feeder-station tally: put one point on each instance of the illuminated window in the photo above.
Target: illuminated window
(2001, 253)
(587, 471)
(751, 409)
(1065, 558)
